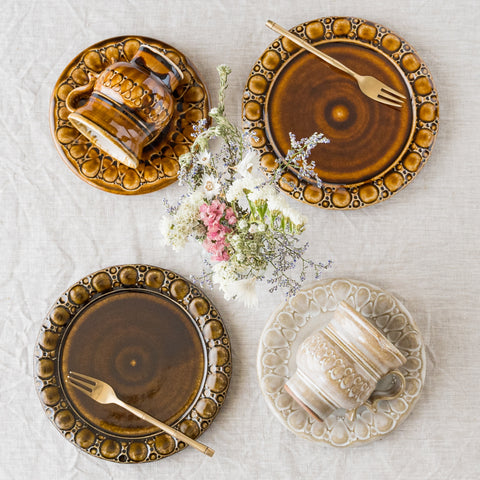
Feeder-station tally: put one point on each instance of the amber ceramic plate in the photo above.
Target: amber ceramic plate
(159, 163)
(155, 338)
(374, 150)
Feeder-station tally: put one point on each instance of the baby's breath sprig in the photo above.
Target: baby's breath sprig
(298, 156)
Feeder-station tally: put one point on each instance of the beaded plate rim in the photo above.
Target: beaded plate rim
(285, 409)
(416, 76)
(151, 177)
(157, 281)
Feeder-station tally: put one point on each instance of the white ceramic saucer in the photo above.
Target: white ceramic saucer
(309, 311)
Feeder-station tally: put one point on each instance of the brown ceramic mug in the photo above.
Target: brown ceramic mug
(128, 104)
(341, 365)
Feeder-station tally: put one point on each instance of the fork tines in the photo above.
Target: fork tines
(80, 381)
(391, 97)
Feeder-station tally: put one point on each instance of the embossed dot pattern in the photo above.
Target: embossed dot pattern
(76, 419)
(159, 163)
(407, 159)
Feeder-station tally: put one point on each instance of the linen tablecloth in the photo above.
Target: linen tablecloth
(422, 244)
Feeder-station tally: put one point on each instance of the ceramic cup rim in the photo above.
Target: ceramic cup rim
(86, 124)
(382, 341)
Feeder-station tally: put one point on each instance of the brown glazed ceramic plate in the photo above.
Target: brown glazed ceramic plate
(159, 163)
(155, 338)
(374, 150)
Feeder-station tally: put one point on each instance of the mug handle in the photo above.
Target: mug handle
(76, 93)
(372, 402)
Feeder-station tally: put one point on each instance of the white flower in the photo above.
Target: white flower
(248, 164)
(195, 199)
(238, 186)
(266, 192)
(234, 240)
(210, 186)
(296, 217)
(276, 203)
(166, 224)
(253, 228)
(177, 228)
(223, 273)
(244, 290)
(242, 224)
(261, 227)
(174, 234)
(204, 158)
(214, 111)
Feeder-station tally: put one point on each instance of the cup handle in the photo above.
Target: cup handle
(391, 394)
(78, 92)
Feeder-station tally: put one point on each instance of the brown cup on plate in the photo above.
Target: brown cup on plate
(128, 105)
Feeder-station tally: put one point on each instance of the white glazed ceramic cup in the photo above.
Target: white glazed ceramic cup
(340, 366)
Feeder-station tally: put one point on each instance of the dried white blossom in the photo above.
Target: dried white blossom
(177, 228)
(239, 185)
(204, 158)
(248, 164)
(276, 203)
(244, 290)
(266, 192)
(210, 186)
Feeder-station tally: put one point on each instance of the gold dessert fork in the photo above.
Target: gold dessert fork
(370, 86)
(103, 393)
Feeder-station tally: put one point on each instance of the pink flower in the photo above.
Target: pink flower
(207, 245)
(216, 235)
(221, 258)
(217, 207)
(217, 249)
(212, 216)
(230, 216)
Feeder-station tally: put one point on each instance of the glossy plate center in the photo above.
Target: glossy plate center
(147, 348)
(366, 137)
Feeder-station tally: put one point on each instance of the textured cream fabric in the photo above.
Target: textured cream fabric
(422, 244)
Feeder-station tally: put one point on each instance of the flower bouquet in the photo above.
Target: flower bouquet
(238, 215)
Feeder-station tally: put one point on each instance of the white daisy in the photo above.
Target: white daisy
(204, 158)
(210, 186)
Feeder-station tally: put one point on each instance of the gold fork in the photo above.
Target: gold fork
(103, 393)
(370, 86)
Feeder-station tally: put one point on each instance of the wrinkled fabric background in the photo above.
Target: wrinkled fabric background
(422, 244)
